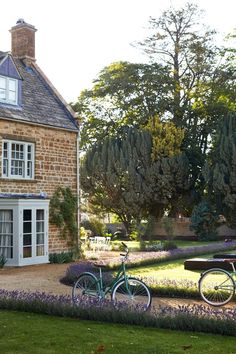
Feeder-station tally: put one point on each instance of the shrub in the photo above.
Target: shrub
(169, 245)
(96, 226)
(154, 247)
(74, 270)
(3, 260)
(204, 222)
(63, 257)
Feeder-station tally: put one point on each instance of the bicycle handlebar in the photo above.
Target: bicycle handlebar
(126, 250)
(125, 245)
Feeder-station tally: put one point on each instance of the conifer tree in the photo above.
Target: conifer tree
(121, 177)
(220, 172)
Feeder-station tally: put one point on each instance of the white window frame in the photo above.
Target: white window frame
(22, 162)
(7, 99)
(18, 206)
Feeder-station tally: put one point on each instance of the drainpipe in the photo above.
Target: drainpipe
(78, 185)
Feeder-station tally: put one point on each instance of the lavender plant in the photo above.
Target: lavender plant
(193, 318)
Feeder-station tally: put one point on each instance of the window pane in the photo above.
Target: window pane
(40, 250)
(2, 83)
(27, 240)
(2, 94)
(27, 228)
(40, 239)
(5, 168)
(40, 214)
(27, 252)
(12, 96)
(12, 85)
(27, 215)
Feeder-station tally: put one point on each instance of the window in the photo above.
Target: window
(8, 90)
(6, 233)
(17, 159)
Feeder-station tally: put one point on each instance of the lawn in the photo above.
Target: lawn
(26, 333)
(135, 245)
(173, 270)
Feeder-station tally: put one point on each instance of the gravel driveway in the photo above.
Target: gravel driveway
(46, 278)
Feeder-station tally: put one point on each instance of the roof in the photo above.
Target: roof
(41, 103)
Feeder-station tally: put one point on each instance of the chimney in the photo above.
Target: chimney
(23, 40)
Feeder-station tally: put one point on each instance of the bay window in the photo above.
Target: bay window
(24, 230)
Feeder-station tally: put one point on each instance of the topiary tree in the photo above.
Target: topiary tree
(204, 222)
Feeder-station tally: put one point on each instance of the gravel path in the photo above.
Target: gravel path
(46, 278)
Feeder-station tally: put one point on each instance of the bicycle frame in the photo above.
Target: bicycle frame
(120, 275)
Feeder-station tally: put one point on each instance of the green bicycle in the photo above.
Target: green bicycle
(123, 288)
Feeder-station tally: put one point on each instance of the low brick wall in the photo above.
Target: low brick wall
(182, 230)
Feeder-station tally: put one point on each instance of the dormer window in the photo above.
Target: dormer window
(8, 90)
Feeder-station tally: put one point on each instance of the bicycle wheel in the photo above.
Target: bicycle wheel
(216, 287)
(133, 292)
(85, 287)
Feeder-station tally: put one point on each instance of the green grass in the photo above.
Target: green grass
(135, 245)
(173, 270)
(26, 333)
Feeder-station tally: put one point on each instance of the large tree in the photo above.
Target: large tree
(220, 171)
(124, 94)
(189, 82)
(123, 176)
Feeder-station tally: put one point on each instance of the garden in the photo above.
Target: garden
(158, 146)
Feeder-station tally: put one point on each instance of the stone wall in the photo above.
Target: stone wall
(55, 165)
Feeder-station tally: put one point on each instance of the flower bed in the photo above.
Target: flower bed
(146, 258)
(192, 318)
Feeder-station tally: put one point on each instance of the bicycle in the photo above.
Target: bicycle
(217, 286)
(123, 288)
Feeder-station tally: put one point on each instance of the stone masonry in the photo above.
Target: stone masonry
(55, 165)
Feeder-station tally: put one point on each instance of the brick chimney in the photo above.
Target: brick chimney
(23, 40)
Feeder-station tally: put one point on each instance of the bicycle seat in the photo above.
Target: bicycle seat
(98, 265)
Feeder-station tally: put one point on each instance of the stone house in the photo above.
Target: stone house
(38, 152)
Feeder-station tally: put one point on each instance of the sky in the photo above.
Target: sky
(76, 39)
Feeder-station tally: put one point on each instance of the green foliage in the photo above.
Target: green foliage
(3, 261)
(190, 82)
(63, 213)
(220, 172)
(120, 176)
(124, 94)
(63, 257)
(169, 245)
(96, 226)
(166, 138)
(204, 222)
